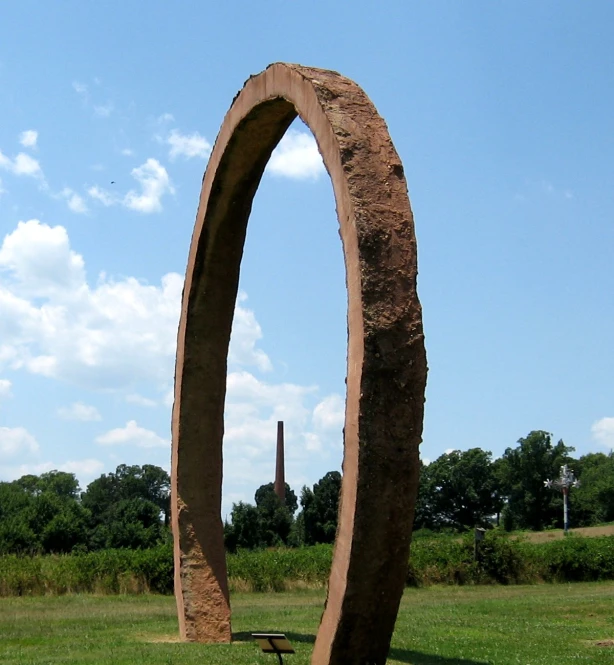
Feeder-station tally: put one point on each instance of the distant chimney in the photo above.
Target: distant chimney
(280, 480)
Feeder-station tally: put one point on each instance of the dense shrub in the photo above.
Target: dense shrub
(440, 560)
(273, 570)
(107, 571)
(573, 559)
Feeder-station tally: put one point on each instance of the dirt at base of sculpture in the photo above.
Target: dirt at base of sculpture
(386, 371)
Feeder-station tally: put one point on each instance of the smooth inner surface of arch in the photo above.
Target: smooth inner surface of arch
(386, 371)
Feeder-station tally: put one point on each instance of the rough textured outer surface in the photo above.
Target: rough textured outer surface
(386, 372)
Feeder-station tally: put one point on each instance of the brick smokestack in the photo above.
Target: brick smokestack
(280, 479)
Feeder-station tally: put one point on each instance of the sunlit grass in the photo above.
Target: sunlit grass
(532, 625)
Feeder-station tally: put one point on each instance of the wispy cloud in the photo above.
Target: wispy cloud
(155, 183)
(79, 88)
(28, 138)
(165, 118)
(83, 91)
(75, 202)
(103, 196)
(21, 164)
(296, 157)
(132, 435)
(603, 432)
(551, 190)
(79, 411)
(104, 110)
(187, 145)
(135, 398)
(5, 388)
(15, 442)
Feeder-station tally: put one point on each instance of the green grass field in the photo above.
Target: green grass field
(531, 625)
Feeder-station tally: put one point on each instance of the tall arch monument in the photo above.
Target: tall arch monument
(386, 361)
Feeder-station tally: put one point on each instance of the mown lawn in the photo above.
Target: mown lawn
(531, 625)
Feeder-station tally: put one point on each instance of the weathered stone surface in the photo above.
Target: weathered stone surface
(386, 371)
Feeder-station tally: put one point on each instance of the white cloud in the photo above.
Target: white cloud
(85, 470)
(83, 91)
(104, 110)
(2, 190)
(132, 435)
(26, 165)
(112, 335)
(5, 388)
(246, 332)
(329, 414)
(187, 145)
(75, 202)
(121, 335)
(557, 192)
(155, 183)
(16, 442)
(79, 411)
(103, 196)
(80, 88)
(41, 262)
(28, 138)
(135, 398)
(603, 432)
(164, 118)
(252, 410)
(169, 398)
(22, 164)
(88, 468)
(296, 157)
(55, 324)
(127, 152)
(253, 407)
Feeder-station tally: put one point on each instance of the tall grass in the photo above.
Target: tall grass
(440, 560)
(107, 571)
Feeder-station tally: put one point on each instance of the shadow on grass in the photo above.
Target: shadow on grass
(402, 655)
(420, 658)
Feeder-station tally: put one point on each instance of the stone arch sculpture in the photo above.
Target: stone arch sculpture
(386, 370)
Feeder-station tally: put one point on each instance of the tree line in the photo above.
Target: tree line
(460, 490)
(271, 522)
(48, 513)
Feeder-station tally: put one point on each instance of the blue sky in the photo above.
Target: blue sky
(502, 115)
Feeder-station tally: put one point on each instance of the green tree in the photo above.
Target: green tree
(523, 471)
(16, 533)
(66, 529)
(320, 507)
(134, 524)
(58, 483)
(265, 494)
(126, 507)
(459, 490)
(42, 514)
(266, 524)
(593, 502)
(275, 517)
(244, 529)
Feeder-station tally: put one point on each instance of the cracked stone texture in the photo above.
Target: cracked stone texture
(386, 373)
